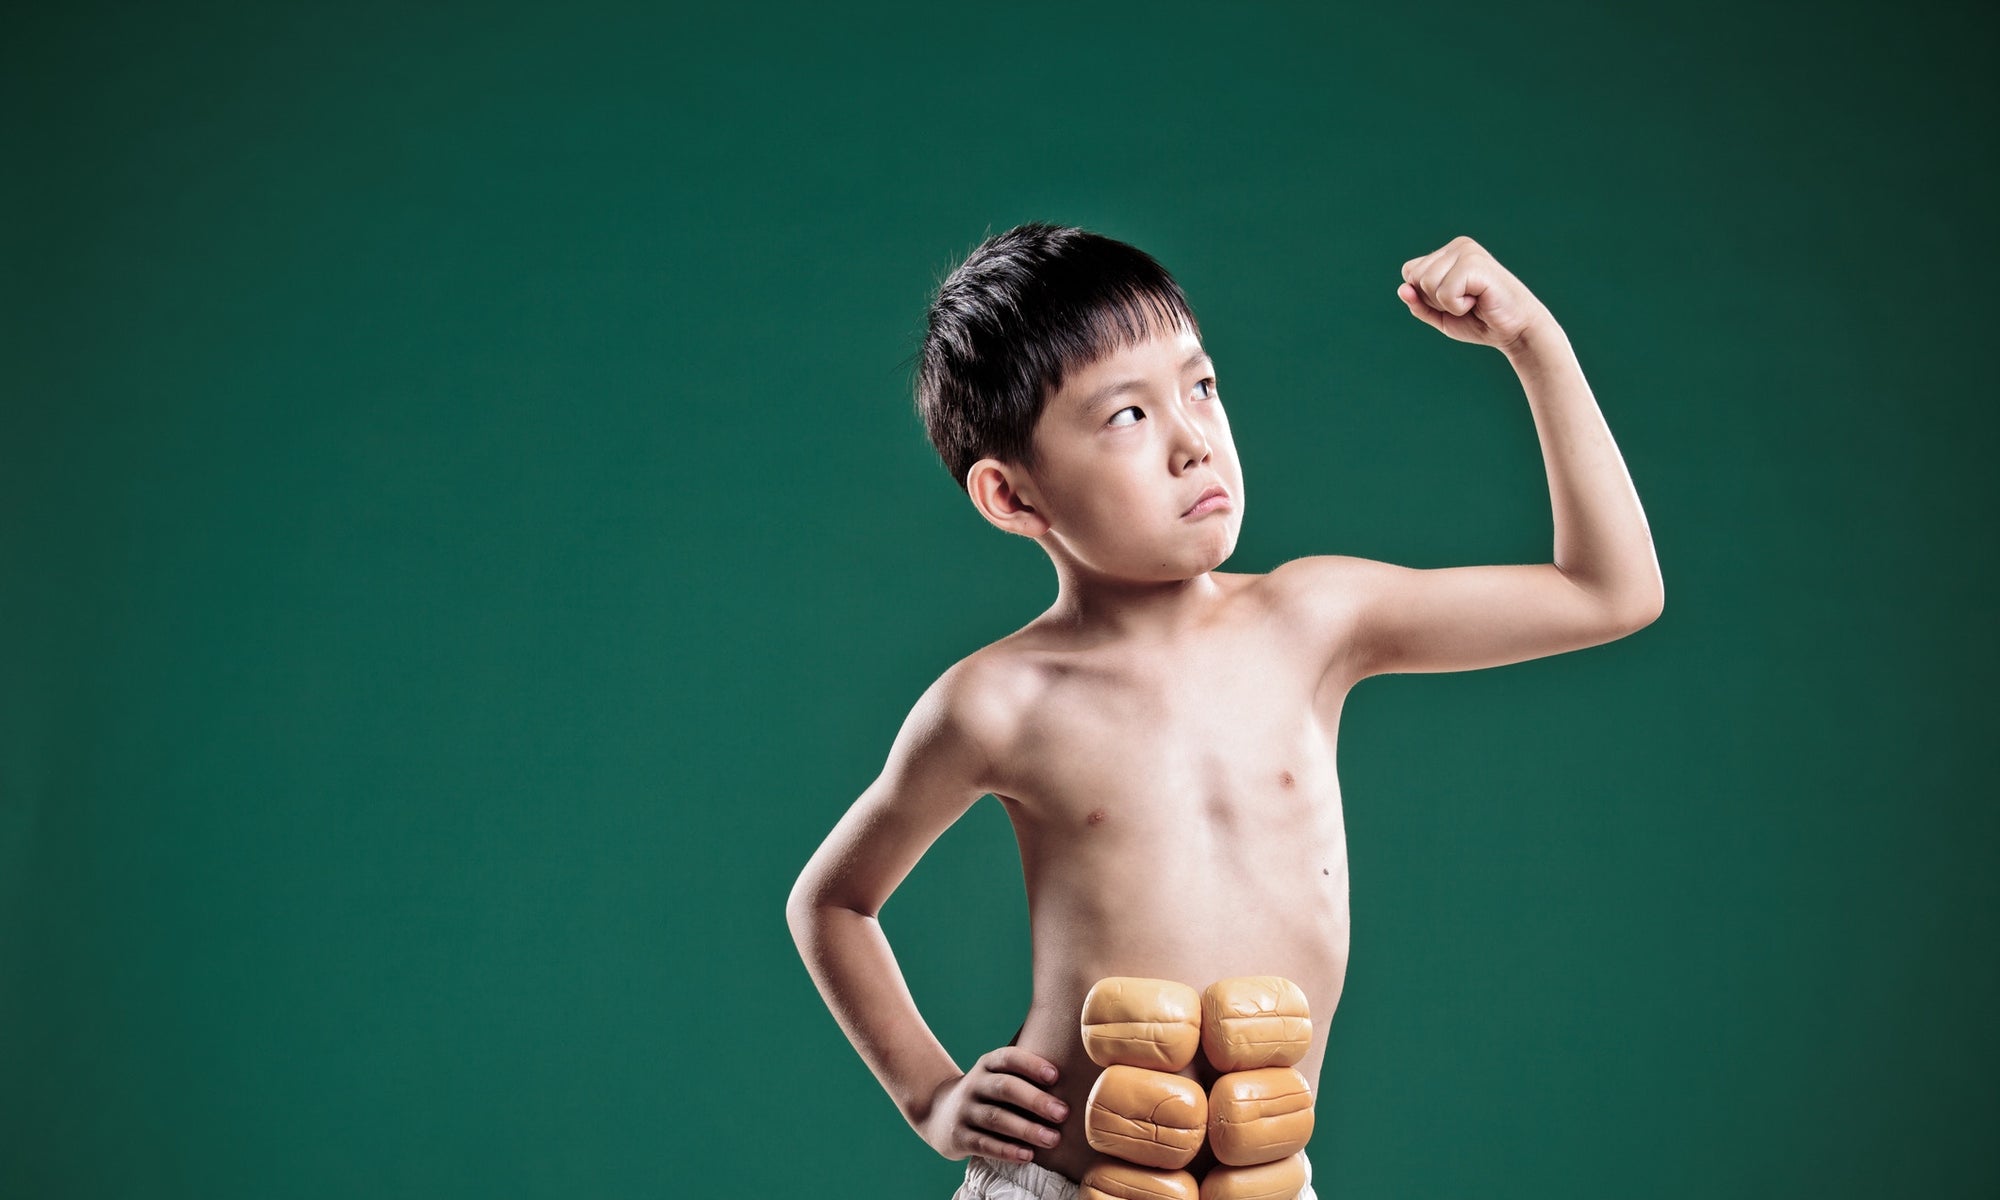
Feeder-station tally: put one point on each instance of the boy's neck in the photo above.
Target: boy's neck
(1131, 610)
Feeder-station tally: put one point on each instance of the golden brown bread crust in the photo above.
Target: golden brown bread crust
(1281, 1180)
(1251, 1029)
(1254, 1021)
(1259, 1116)
(1149, 1117)
(1124, 1181)
(1137, 1022)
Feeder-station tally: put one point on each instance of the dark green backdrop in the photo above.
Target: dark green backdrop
(466, 540)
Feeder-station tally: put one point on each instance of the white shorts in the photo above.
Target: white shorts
(1013, 1179)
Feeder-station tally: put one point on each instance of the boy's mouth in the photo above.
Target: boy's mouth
(1215, 497)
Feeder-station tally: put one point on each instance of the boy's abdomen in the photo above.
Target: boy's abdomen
(1210, 905)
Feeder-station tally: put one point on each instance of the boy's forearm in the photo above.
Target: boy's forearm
(856, 973)
(1601, 537)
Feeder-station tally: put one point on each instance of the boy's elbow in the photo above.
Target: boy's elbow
(801, 898)
(799, 904)
(1644, 611)
(800, 923)
(1639, 618)
(806, 906)
(1653, 609)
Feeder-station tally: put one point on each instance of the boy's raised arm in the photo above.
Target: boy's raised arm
(937, 768)
(1603, 582)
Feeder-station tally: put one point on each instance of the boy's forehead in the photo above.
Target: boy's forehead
(1159, 352)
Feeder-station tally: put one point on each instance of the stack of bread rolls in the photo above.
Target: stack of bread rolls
(1254, 1028)
(1256, 1117)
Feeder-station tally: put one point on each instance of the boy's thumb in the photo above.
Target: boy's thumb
(1432, 318)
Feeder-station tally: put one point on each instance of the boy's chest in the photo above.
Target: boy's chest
(1225, 733)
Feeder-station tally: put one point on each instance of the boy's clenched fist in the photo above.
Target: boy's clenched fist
(1466, 294)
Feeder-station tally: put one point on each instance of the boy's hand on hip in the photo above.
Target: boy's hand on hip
(1462, 291)
(975, 1113)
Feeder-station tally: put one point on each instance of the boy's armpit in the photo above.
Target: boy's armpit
(938, 766)
(1321, 603)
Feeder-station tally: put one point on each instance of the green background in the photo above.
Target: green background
(466, 539)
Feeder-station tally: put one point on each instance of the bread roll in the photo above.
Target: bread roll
(1133, 1022)
(1147, 1117)
(1254, 1021)
(1123, 1181)
(1259, 1116)
(1281, 1180)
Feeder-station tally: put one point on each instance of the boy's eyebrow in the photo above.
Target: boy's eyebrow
(1125, 385)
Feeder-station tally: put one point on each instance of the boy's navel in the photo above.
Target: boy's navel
(1285, 777)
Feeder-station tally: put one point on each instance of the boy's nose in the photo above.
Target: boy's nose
(1190, 443)
(1195, 449)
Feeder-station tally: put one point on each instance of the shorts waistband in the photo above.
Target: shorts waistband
(1031, 1177)
(1043, 1184)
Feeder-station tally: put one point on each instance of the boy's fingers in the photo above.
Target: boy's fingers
(1432, 281)
(1420, 309)
(1021, 1062)
(1467, 283)
(1028, 1098)
(1008, 1123)
(1415, 267)
(992, 1147)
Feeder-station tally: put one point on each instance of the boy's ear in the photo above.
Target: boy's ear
(1003, 494)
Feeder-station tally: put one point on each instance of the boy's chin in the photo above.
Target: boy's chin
(1172, 562)
(1217, 553)
(1187, 564)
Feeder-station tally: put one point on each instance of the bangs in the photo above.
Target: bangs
(1118, 320)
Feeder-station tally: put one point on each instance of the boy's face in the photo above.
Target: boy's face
(1125, 448)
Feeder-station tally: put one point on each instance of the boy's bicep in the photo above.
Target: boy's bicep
(1364, 617)
(1437, 619)
(936, 769)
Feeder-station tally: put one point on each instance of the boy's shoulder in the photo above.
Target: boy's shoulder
(993, 693)
(971, 713)
(988, 691)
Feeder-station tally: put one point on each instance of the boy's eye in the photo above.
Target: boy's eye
(1208, 383)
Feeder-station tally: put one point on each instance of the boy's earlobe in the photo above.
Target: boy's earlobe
(991, 486)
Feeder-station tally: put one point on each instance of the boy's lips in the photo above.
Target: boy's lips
(1215, 497)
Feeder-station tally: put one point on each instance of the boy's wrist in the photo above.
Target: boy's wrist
(1541, 338)
(917, 1109)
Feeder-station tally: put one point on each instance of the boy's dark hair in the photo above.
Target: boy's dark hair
(1024, 309)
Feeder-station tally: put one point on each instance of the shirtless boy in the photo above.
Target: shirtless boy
(1162, 738)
